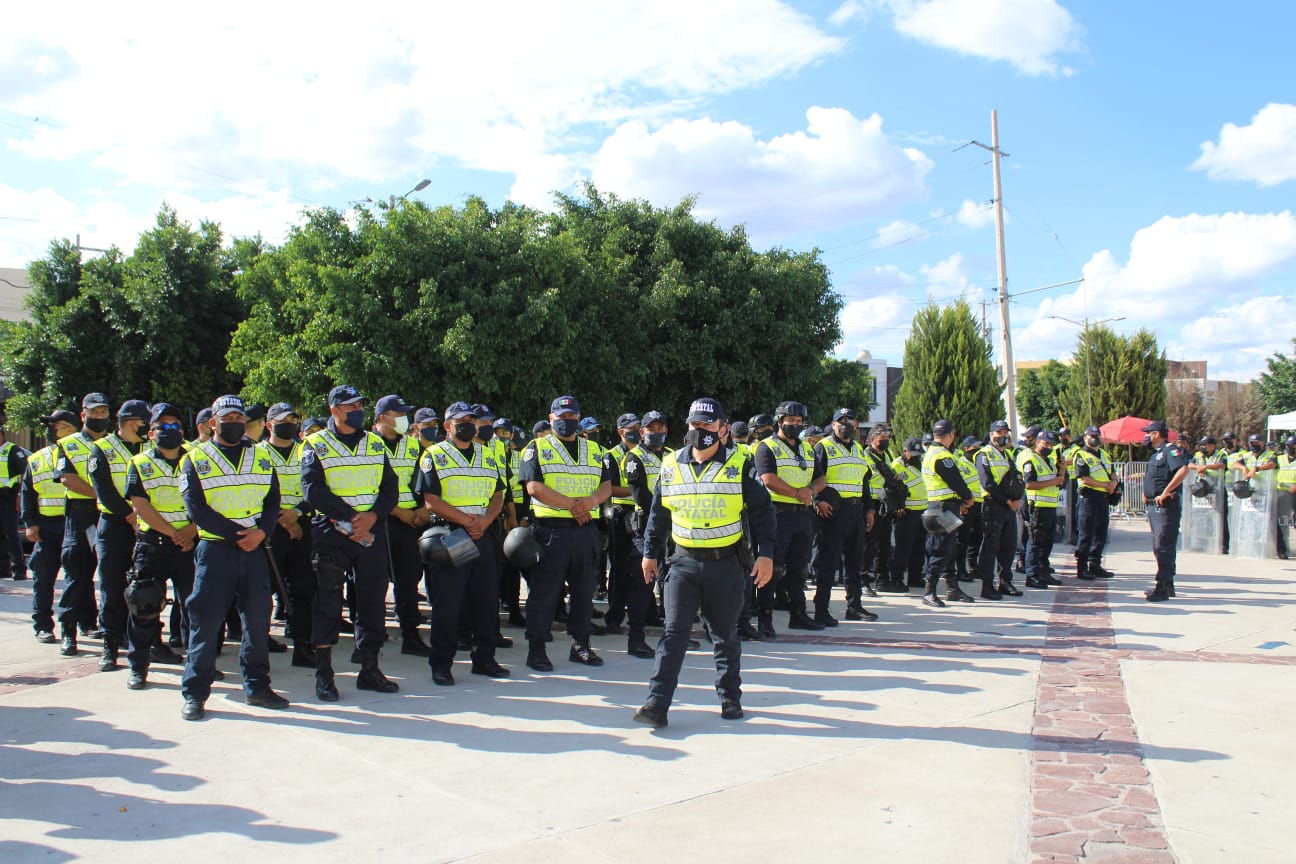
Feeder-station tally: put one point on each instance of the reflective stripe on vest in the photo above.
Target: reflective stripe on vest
(404, 463)
(577, 478)
(792, 467)
(161, 483)
(916, 496)
(77, 448)
(619, 453)
(50, 493)
(468, 485)
(5, 480)
(968, 469)
(706, 509)
(1100, 470)
(114, 450)
(237, 493)
(877, 478)
(998, 462)
(289, 473)
(652, 465)
(352, 475)
(516, 493)
(937, 487)
(1048, 496)
(1286, 470)
(846, 468)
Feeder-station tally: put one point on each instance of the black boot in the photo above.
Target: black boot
(412, 643)
(929, 596)
(69, 646)
(537, 658)
(765, 626)
(988, 591)
(747, 632)
(108, 658)
(303, 655)
(372, 678)
(325, 688)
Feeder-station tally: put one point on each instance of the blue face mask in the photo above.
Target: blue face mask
(430, 434)
(355, 419)
(566, 428)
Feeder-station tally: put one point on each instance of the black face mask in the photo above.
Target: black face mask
(632, 438)
(465, 432)
(485, 434)
(1256, 448)
(791, 431)
(1045, 451)
(566, 427)
(1092, 443)
(285, 431)
(846, 431)
(701, 439)
(230, 433)
(96, 424)
(762, 434)
(169, 439)
(655, 440)
(1000, 441)
(430, 434)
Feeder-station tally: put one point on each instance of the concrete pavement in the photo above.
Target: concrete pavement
(1075, 724)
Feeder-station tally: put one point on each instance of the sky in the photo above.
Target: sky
(1148, 148)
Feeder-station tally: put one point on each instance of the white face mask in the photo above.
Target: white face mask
(401, 423)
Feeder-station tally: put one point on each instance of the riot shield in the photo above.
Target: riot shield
(1252, 520)
(1203, 517)
(1286, 510)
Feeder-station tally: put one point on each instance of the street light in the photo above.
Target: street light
(418, 187)
(1086, 324)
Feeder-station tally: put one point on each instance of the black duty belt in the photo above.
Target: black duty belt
(789, 508)
(708, 553)
(559, 522)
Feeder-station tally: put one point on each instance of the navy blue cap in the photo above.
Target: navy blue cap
(1229, 436)
(1033, 431)
(255, 412)
(227, 405)
(1048, 437)
(844, 413)
(162, 409)
(279, 409)
(540, 426)
(913, 445)
(1092, 430)
(426, 415)
(812, 432)
(652, 417)
(739, 428)
(1208, 439)
(203, 415)
(344, 394)
(971, 441)
(588, 423)
(314, 423)
(999, 426)
(133, 408)
(705, 410)
(625, 421)
(61, 416)
(483, 411)
(1160, 426)
(503, 423)
(564, 404)
(1064, 431)
(94, 400)
(942, 427)
(459, 410)
(392, 403)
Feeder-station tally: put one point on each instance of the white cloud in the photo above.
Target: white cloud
(1264, 151)
(896, 233)
(1236, 340)
(851, 10)
(839, 168)
(946, 279)
(1029, 34)
(170, 95)
(974, 214)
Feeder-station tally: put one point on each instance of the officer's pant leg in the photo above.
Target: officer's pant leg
(44, 567)
(853, 541)
(797, 561)
(975, 526)
(13, 550)
(682, 588)
(1048, 530)
(116, 551)
(1084, 529)
(407, 571)
(720, 598)
(828, 550)
(443, 636)
(140, 633)
(586, 545)
(369, 564)
(639, 596)
(294, 560)
(255, 605)
(993, 525)
(1102, 522)
(878, 553)
(545, 583)
(214, 586)
(182, 579)
(329, 564)
(900, 551)
(78, 559)
(482, 589)
(784, 537)
(620, 554)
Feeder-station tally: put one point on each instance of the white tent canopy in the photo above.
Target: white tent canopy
(1284, 422)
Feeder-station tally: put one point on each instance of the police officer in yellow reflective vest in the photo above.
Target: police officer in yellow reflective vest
(81, 518)
(568, 483)
(1002, 492)
(642, 470)
(1286, 492)
(13, 465)
(232, 493)
(165, 537)
(701, 495)
(42, 497)
(348, 480)
(910, 535)
(459, 480)
(1095, 480)
(840, 528)
(946, 491)
(623, 560)
(511, 578)
(115, 532)
(1042, 484)
(290, 543)
(407, 519)
(969, 533)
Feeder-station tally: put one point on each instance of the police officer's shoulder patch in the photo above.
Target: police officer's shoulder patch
(441, 460)
(947, 462)
(202, 466)
(94, 463)
(146, 470)
(731, 472)
(321, 449)
(546, 453)
(490, 462)
(264, 464)
(632, 467)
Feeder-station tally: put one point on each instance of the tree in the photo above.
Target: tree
(948, 374)
(1186, 410)
(842, 384)
(1278, 386)
(1039, 395)
(1237, 409)
(1115, 376)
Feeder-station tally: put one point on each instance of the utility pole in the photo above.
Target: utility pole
(1010, 376)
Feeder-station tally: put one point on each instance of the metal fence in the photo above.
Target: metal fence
(1131, 505)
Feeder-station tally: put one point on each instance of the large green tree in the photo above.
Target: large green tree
(1278, 385)
(1115, 376)
(1039, 395)
(948, 373)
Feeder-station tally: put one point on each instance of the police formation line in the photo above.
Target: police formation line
(326, 513)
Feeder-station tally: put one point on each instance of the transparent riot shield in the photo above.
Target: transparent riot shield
(1252, 521)
(1286, 510)
(1062, 533)
(1203, 516)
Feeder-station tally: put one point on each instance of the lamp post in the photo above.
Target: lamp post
(418, 187)
(1086, 324)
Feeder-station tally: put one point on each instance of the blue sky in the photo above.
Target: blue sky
(1152, 145)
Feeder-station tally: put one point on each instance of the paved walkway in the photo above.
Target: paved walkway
(1081, 724)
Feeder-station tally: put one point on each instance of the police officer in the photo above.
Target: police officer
(741, 434)
(761, 426)
(786, 465)
(290, 542)
(13, 465)
(568, 483)
(1066, 454)
(1286, 492)
(541, 429)
(165, 536)
(461, 485)
(1042, 485)
(1228, 449)
(1096, 480)
(701, 495)
(642, 469)
(622, 557)
(115, 537)
(203, 426)
(515, 508)
(1021, 454)
(406, 520)
(1002, 491)
(910, 536)
(1255, 458)
(78, 556)
(886, 490)
(947, 492)
(969, 533)
(42, 498)
(1166, 471)
(426, 427)
(349, 481)
(841, 529)
(232, 493)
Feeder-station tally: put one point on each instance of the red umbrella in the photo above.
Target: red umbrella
(1127, 430)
